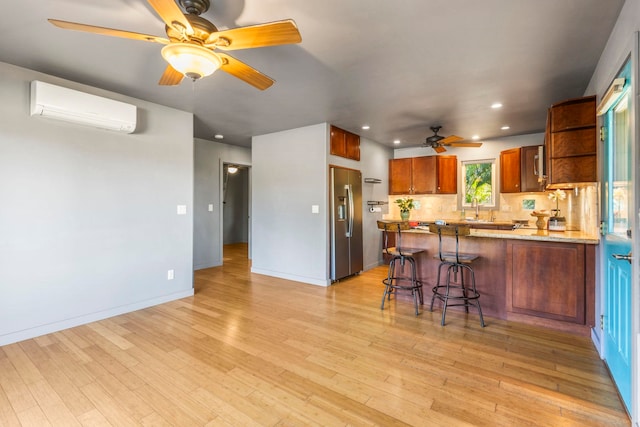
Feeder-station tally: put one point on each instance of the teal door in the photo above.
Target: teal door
(617, 206)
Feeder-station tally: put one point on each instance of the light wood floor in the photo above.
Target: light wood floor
(254, 350)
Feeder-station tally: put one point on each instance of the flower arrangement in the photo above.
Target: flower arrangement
(556, 196)
(405, 204)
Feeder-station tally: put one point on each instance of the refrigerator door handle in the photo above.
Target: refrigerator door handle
(350, 213)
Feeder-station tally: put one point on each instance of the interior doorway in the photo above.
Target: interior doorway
(235, 207)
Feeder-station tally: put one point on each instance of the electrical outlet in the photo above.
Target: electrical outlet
(170, 274)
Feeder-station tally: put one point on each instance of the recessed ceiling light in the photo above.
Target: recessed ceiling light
(505, 128)
(366, 127)
(496, 105)
(475, 137)
(218, 136)
(396, 141)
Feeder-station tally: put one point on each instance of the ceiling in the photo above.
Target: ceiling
(400, 67)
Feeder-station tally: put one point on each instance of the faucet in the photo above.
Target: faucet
(475, 204)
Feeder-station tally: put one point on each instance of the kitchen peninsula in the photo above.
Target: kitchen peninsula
(526, 275)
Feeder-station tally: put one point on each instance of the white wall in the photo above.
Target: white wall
(88, 222)
(289, 175)
(208, 160)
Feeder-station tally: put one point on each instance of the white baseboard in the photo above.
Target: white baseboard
(88, 318)
(303, 279)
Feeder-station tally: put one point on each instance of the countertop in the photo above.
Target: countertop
(527, 234)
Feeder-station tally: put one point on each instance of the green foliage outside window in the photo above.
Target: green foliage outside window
(478, 183)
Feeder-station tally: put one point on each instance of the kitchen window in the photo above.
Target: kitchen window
(478, 183)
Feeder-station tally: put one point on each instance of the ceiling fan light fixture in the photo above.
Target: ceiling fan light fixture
(192, 60)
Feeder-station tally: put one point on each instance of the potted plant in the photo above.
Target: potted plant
(405, 204)
(557, 222)
(556, 196)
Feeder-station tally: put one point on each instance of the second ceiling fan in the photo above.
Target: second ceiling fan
(192, 40)
(437, 142)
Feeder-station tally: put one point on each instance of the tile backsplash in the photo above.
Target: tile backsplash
(580, 208)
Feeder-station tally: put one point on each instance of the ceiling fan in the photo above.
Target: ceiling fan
(437, 142)
(192, 40)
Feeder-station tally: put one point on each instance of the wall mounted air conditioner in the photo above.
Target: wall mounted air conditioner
(61, 103)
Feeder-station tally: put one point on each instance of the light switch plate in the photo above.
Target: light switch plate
(182, 209)
(210, 208)
(315, 209)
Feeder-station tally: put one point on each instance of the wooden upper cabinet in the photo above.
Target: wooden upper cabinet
(573, 113)
(510, 171)
(423, 175)
(400, 176)
(529, 169)
(447, 174)
(344, 143)
(571, 142)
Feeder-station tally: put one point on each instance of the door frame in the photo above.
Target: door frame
(222, 163)
(632, 52)
(635, 227)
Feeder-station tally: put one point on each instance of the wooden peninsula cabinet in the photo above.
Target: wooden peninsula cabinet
(550, 281)
(571, 143)
(537, 278)
(424, 175)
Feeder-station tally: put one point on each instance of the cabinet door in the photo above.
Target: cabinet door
(352, 146)
(547, 280)
(529, 170)
(573, 113)
(423, 175)
(338, 142)
(573, 169)
(510, 171)
(400, 176)
(574, 143)
(446, 174)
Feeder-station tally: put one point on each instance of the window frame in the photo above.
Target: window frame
(495, 195)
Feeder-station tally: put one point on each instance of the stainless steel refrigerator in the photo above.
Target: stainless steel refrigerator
(346, 222)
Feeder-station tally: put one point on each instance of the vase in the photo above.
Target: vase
(405, 215)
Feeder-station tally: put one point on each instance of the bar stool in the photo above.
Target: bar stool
(454, 292)
(397, 279)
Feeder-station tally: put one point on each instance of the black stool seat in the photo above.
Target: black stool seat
(398, 279)
(455, 292)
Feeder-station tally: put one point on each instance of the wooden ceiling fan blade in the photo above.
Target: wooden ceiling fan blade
(171, 14)
(244, 72)
(107, 31)
(451, 138)
(439, 149)
(465, 144)
(269, 34)
(170, 77)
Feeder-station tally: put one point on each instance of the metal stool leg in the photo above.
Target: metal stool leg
(414, 283)
(476, 296)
